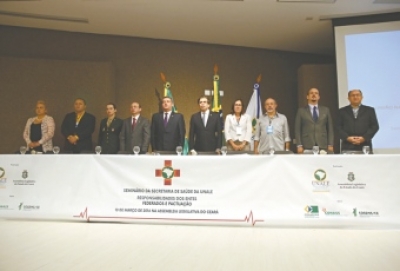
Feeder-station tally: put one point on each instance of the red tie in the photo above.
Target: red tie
(133, 123)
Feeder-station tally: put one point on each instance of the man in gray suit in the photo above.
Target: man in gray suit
(135, 131)
(313, 126)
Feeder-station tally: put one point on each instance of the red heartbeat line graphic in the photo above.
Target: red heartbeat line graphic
(83, 214)
(253, 221)
(247, 219)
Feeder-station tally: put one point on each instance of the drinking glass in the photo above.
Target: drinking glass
(315, 150)
(136, 150)
(179, 150)
(224, 150)
(365, 149)
(22, 149)
(271, 150)
(97, 150)
(56, 150)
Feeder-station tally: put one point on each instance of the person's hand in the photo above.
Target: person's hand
(330, 148)
(34, 144)
(359, 140)
(300, 149)
(72, 139)
(352, 140)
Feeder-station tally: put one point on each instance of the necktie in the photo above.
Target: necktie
(314, 114)
(355, 112)
(133, 123)
(204, 119)
(165, 119)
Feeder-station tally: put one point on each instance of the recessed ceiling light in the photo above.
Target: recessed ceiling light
(311, 1)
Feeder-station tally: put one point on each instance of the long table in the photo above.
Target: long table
(350, 191)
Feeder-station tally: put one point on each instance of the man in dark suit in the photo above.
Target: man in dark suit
(357, 123)
(77, 128)
(167, 128)
(205, 129)
(135, 131)
(110, 129)
(313, 125)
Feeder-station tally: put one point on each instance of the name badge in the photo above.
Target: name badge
(238, 130)
(270, 129)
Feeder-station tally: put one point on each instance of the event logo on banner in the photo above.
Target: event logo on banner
(312, 211)
(350, 185)
(320, 183)
(357, 213)
(168, 172)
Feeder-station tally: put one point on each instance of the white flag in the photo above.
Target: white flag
(254, 110)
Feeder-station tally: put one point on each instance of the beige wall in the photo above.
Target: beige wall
(130, 68)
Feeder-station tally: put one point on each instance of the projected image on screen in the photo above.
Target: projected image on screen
(369, 59)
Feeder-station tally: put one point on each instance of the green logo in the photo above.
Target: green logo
(320, 175)
(311, 209)
(167, 172)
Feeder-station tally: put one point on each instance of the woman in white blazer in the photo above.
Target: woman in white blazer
(238, 129)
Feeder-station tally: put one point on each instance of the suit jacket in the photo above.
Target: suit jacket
(207, 138)
(169, 137)
(109, 136)
(83, 130)
(139, 136)
(309, 133)
(365, 125)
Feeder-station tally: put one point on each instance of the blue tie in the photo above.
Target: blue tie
(314, 114)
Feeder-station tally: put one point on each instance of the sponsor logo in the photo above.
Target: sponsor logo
(351, 184)
(25, 181)
(26, 207)
(364, 213)
(311, 211)
(3, 181)
(4, 207)
(351, 177)
(25, 174)
(320, 183)
(167, 172)
(320, 174)
(330, 213)
(2, 172)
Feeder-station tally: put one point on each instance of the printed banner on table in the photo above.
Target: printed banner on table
(243, 190)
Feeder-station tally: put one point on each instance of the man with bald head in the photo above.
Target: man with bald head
(357, 123)
(77, 128)
(272, 130)
(313, 126)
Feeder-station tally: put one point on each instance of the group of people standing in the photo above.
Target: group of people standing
(313, 127)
